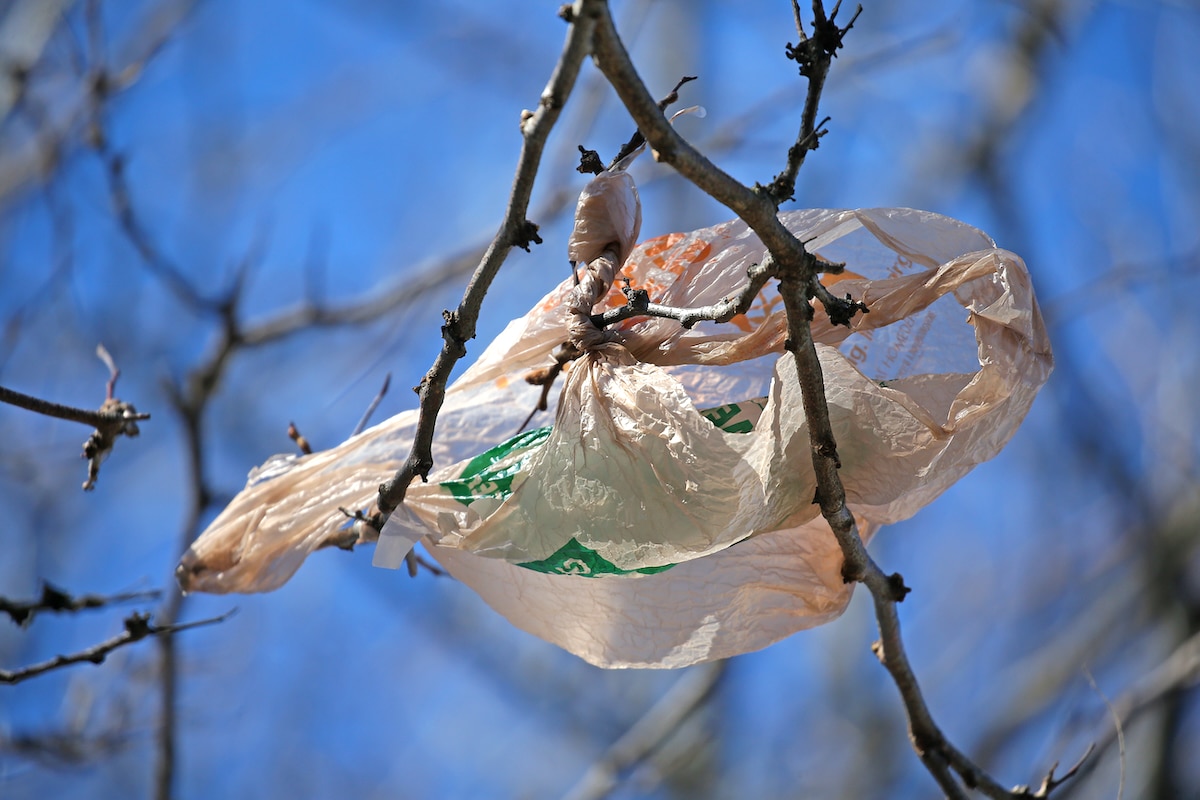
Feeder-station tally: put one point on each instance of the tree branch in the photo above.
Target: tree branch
(814, 56)
(114, 418)
(58, 601)
(757, 208)
(137, 627)
(515, 230)
(97, 419)
(797, 269)
(1179, 670)
(841, 311)
(639, 304)
(366, 417)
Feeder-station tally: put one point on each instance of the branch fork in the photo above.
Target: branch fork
(593, 32)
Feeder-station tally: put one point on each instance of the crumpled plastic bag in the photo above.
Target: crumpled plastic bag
(667, 517)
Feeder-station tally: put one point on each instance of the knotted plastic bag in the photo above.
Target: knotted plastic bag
(667, 517)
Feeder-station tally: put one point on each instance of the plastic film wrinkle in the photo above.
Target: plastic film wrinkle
(592, 287)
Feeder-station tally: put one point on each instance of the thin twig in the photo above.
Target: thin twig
(56, 600)
(1117, 726)
(96, 419)
(114, 418)
(69, 746)
(137, 627)
(130, 224)
(637, 140)
(797, 17)
(415, 563)
(545, 377)
(756, 208)
(639, 304)
(101, 86)
(1179, 670)
(366, 417)
(515, 230)
(813, 55)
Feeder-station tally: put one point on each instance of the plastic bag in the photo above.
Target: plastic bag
(667, 515)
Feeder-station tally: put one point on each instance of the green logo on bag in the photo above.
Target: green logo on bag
(575, 559)
(486, 475)
(736, 417)
(490, 475)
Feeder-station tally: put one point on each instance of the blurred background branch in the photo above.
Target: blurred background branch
(53, 599)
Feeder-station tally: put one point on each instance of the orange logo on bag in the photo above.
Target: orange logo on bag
(653, 256)
(694, 253)
(556, 298)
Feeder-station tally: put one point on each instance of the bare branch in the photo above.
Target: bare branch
(401, 295)
(814, 55)
(130, 223)
(47, 408)
(192, 398)
(459, 327)
(66, 747)
(415, 562)
(797, 269)
(546, 376)
(366, 417)
(639, 304)
(58, 601)
(114, 418)
(1179, 670)
(1050, 782)
(137, 627)
(637, 140)
(101, 85)
(1117, 726)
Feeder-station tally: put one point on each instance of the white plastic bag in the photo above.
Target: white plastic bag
(666, 517)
